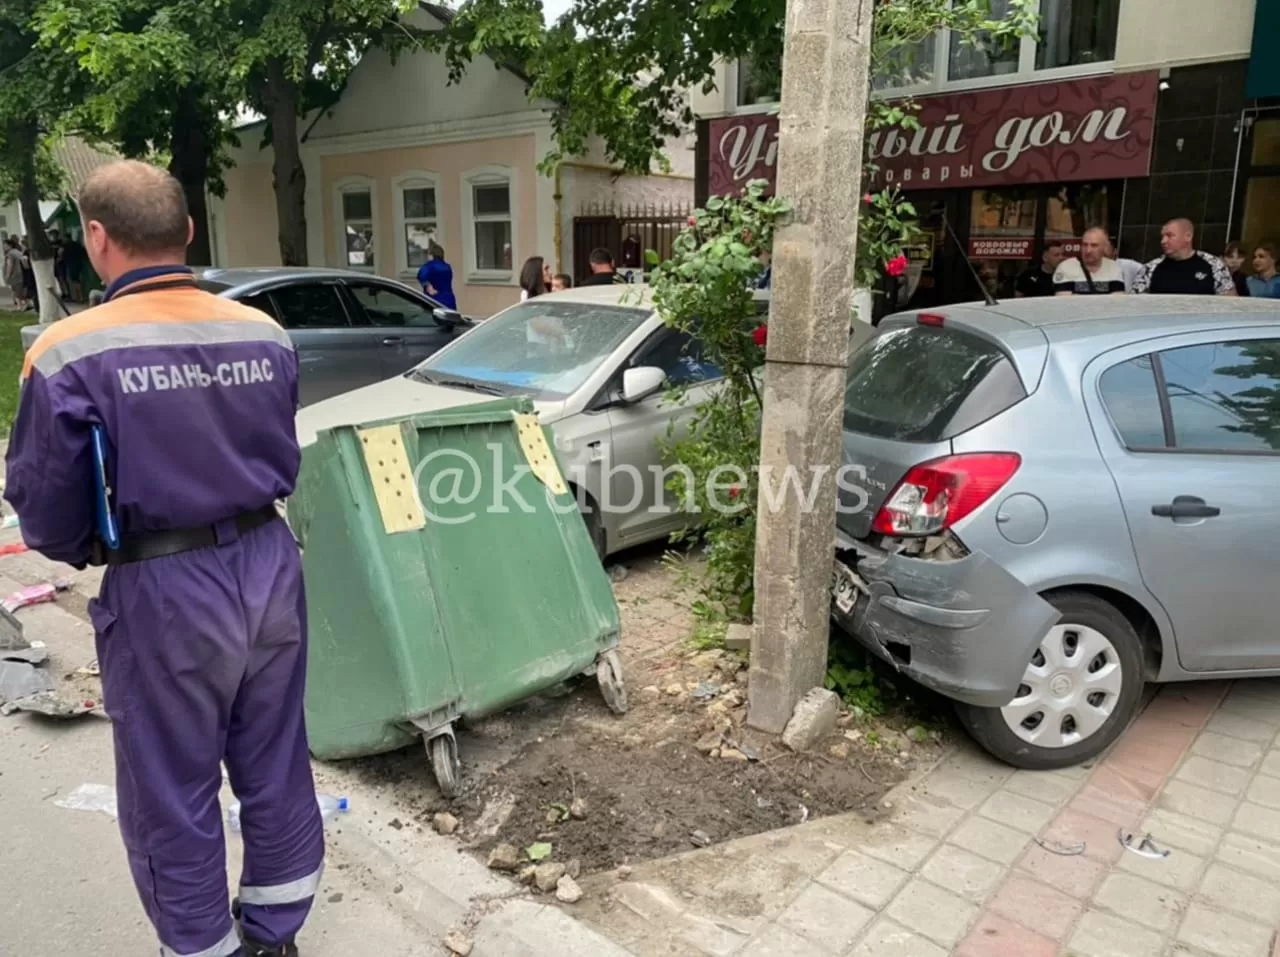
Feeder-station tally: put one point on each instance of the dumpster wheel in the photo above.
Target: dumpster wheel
(443, 749)
(609, 677)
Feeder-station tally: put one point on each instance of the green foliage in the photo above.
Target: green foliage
(851, 675)
(709, 626)
(49, 177)
(618, 71)
(706, 288)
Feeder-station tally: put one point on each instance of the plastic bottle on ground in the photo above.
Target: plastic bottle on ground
(329, 806)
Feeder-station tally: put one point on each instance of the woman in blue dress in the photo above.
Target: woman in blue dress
(436, 277)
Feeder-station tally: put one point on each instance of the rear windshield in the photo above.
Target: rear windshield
(927, 384)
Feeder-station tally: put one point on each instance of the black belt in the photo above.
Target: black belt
(140, 548)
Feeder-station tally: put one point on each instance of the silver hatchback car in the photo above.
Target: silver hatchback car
(1063, 499)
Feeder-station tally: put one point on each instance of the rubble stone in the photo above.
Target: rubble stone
(504, 857)
(738, 638)
(458, 943)
(568, 891)
(813, 719)
(546, 875)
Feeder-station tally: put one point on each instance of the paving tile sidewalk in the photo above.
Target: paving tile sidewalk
(971, 862)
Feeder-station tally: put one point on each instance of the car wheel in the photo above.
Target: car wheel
(1078, 693)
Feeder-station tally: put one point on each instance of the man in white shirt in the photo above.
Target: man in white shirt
(1130, 269)
(1091, 273)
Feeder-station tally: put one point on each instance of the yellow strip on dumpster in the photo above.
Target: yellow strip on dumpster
(392, 479)
(537, 453)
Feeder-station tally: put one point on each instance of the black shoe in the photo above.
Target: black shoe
(253, 949)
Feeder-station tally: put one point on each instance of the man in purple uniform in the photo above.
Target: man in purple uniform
(201, 629)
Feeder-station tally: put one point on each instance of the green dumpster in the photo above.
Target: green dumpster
(449, 574)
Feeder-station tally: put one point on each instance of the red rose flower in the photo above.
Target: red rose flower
(760, 334)
(692, 221)
(733, 491)
(867, 198)
(896, 266)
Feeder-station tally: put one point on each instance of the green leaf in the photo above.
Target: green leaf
(538, 852)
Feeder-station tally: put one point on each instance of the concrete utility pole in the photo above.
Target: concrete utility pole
(825, 75)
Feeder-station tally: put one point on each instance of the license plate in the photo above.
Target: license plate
(845, 586)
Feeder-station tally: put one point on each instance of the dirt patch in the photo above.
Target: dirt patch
(678, 771)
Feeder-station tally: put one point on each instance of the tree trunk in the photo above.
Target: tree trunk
(282, 100)
(825, 69)
(189, 146)
(26, 136)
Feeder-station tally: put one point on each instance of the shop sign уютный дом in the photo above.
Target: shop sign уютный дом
(1094, 128)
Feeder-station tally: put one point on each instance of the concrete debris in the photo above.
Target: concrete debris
(492, 818)
(624, 872)
(732, 754)
(504, 857)
(707, 690)
(700, 838)
(458, 943)
(650, 691)
(37, 653)
(813, 719)
(11, 632)
(444, 823)
(574, 868)
(546, 876)
(746, 750)
(20, 679)
(578, 809)
(91, 670)
(526, 874)
(738, 638)
(840, 750)
(709, 742)
(674, 690)
(568, 891)
(51, 705)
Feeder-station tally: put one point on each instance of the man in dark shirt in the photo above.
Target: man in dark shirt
(1184, 270)
(602, 271)
(1038, 280)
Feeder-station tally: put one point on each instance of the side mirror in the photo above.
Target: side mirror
(447, 317)
(641, 382)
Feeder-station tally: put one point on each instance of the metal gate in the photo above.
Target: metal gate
(628, 232)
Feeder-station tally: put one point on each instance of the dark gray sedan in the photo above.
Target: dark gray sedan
(350, 328)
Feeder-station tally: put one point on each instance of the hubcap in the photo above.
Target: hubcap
(1069, 690)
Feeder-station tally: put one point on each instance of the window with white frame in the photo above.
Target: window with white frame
(488, 208)
(418, 220)
(1075, 37)
(355, 206)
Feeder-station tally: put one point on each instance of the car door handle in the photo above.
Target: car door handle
(392, 340)
(1186, 506)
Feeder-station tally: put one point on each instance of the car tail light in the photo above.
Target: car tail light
(930, 319)
(935, 495)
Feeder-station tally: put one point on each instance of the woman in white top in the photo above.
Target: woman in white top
(535, 278)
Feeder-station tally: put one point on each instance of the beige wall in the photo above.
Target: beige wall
(448, 162)
(246, 218)
(1157, 33)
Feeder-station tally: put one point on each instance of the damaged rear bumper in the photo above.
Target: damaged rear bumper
(965, 628)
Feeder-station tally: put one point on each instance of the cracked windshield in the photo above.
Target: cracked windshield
(545, 348)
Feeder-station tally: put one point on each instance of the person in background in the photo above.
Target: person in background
(1129, 268)
(535, 278)
(73, 253)
(436, 277)
(602, 271)
(13, 272)
(765, 280)
(560, 282)
(1233, 258)
(1264, 283)
(59, 264)
(1183, 269)
(1091, 273)
(1038, 280)
(29, 276)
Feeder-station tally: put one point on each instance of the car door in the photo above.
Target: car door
(644, 507)
(333, 355)
(407, 328)
(1194, 446)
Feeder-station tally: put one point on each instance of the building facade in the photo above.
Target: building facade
(404, 158)
(1120, 113)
